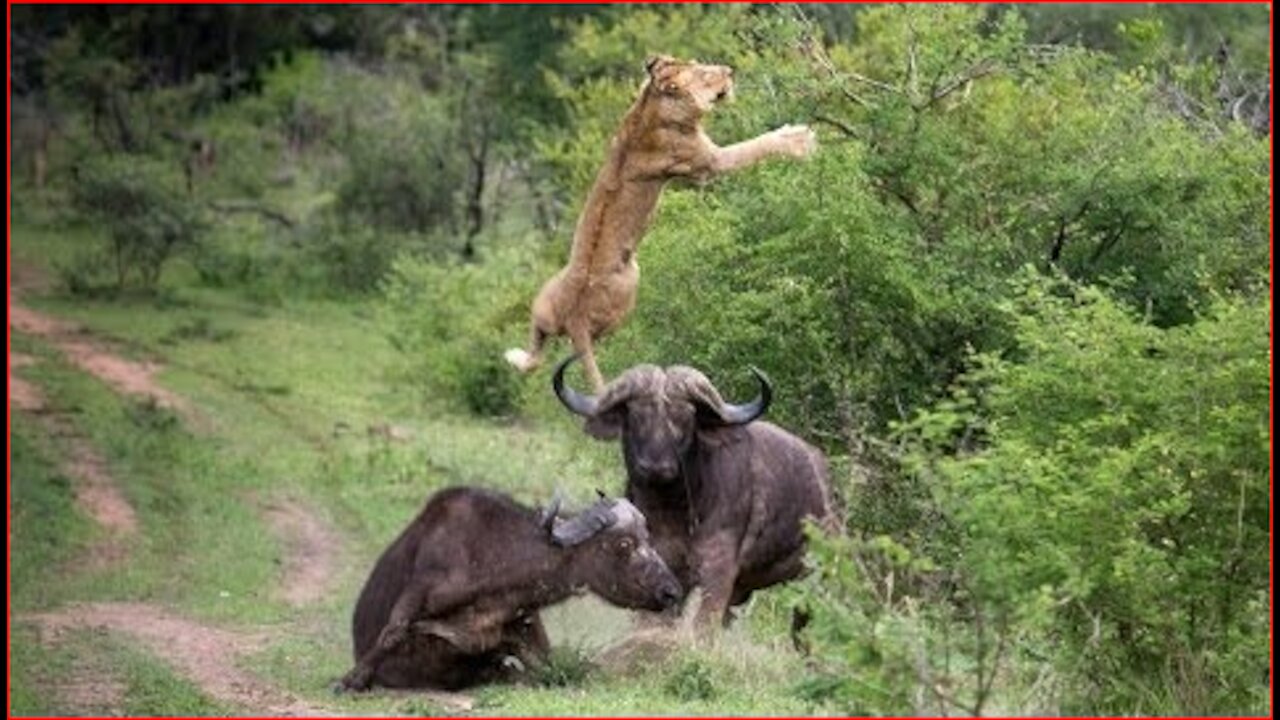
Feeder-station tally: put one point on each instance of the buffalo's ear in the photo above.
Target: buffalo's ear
(604, 425)
(706, 416)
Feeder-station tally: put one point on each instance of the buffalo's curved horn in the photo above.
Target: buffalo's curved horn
(549, 513)
(578, 403)
(732, 414)
(586, 525)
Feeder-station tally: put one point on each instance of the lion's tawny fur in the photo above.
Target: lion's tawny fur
(660, 139)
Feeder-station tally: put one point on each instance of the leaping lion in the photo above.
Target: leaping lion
(661, 138)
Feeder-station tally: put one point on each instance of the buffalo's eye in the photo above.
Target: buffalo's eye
(626, 545)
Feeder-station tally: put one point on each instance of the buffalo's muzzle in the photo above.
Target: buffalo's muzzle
(657, 470)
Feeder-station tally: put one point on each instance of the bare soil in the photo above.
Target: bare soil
(97, 493)
(311, 547)
(89, 689)
(206, 655)
(129, 377)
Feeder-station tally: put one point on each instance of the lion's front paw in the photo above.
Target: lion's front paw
(798, 141)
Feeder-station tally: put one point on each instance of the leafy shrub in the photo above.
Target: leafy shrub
(872, 651)
(353, 258)
(404, 170)
(440, 316)
(1115, 472)
(88, 274)
(487, 383)
(147, 217)
(1091, 507)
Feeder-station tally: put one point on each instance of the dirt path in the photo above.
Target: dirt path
(22, 394)
(88, 689)
(129, 377)
(207, 656)
(97, 493)
(312, 548)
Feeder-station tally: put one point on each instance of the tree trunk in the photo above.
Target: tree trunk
(475, 193)
(40, 161)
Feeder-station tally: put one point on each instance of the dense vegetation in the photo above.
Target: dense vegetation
(1020, 295)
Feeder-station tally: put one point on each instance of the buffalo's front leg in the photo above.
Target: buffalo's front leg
(716, 559)
(524, 646)
(392, 636)
(528, 637)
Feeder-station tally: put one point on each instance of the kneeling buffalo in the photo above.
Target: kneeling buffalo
(457, 595)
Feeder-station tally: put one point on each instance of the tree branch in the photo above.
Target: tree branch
(843, 127)
(230, 207)
(974, 72)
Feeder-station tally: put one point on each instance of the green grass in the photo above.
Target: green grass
(287, 394)
(44, 523)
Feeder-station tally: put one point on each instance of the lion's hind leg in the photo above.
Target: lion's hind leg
(582, 344)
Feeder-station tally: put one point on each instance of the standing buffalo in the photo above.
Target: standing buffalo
(725, 497)
(457, 595)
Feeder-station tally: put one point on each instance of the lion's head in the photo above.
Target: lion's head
(689, 83)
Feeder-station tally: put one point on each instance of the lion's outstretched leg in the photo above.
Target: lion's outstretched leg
(795, 141)
(527, 360)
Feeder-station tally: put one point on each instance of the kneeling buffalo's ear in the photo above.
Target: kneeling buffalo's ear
(586, 525)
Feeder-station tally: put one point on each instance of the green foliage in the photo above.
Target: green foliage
(872, 649)
(147, 216)
(1121, 482)
(404, 168)
(1091, 507)
(435, 315)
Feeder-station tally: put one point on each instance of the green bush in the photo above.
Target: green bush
(1119, 472)
(352, 257)
(442, 318)
(404, 167)
(872, 651)
(1091, 507)
(147, 216)
(487, 383)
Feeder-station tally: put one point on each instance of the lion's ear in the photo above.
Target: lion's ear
(655, 63)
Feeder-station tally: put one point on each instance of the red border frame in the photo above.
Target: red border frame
(9, 250)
